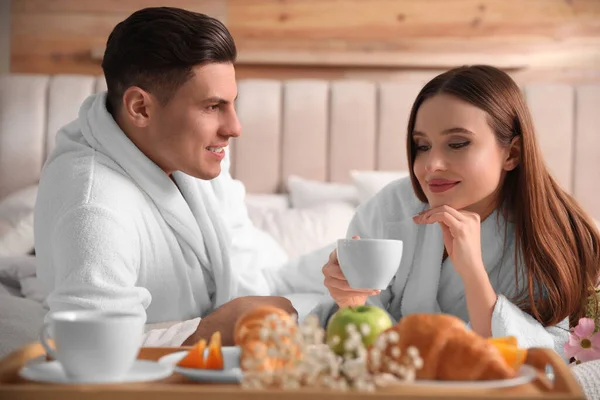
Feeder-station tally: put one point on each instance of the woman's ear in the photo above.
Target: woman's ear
(514, 154)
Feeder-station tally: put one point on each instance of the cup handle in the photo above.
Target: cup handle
(44, 337)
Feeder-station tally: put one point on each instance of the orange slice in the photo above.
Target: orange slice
(214, 359)
(195, 357)
(512, 354)
(509, 340)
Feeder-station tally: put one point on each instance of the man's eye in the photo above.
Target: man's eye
(214, 107)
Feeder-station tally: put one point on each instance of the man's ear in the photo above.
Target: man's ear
(138, 105)
(514, 154)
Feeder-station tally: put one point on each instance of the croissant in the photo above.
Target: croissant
(247, 335)
(448, 350)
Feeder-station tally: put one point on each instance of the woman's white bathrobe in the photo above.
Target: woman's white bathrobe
(425, 284)
(112, 231)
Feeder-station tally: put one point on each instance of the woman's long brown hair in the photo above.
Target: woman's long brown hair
(557, 241)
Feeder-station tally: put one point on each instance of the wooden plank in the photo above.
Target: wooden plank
(511, 57)
(305, 129)
(587, 147)
(530, 75)
(381, 59)
(353, 128)
(58, 36)
(215, 8)
(509, 33)
(62, 42)
(401, 21)
(552, 110)
(64, 25)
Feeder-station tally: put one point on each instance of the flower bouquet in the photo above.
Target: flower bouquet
(584, 339)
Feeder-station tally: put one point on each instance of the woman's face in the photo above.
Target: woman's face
(458, 161)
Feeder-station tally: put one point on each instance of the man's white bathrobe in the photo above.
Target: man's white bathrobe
(425, 284)
(113, 232)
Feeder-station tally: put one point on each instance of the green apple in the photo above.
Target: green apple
(375, 318)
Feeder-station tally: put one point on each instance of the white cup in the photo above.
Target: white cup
(369, 263)
(94, 346)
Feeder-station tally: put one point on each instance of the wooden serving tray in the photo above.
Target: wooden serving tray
(177, 387)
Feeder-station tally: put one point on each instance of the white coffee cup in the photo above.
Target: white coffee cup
(369, 263)
(94, 346)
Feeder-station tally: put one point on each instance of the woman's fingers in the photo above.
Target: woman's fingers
(334, 271)
(342, 285)
(435, 210)
(349, 301)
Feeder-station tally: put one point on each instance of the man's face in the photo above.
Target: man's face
(190, 132)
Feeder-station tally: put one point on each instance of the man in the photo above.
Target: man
(134, 210)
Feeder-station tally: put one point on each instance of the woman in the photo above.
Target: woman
(488, 234)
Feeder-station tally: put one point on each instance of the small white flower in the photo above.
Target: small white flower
(380, 342)
(393, 336)
(418, 363)
(412, 351)
(365, 329)
(351, 328)
(401, 370)
(396, 352)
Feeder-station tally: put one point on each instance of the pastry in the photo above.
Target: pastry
(265, 335)
(447, 349)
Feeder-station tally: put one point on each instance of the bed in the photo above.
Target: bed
(311, 151)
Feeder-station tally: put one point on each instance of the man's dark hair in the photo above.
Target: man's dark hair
(155, 49)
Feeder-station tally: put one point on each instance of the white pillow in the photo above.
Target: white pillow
(368, 183)
(302, 230)
(20, 272)
(260, 202)
(306, 193)
(16, 222)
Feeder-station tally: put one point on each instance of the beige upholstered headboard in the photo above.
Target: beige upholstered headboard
(316, 129)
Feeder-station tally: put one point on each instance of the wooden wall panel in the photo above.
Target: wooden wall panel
(438, 30)
(217, 8)
(60, 36)
(538, 40)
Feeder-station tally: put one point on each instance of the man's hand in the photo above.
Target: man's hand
(224, 318)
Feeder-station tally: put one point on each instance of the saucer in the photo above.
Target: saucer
(232, 372)
(525, 375)
(52, 372)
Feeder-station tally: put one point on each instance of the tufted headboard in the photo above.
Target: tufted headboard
(316, 129)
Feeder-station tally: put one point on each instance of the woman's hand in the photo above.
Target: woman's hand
(462, 236)
(338, 286)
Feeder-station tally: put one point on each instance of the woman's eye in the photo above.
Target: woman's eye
(459, 145)
(422, 147)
